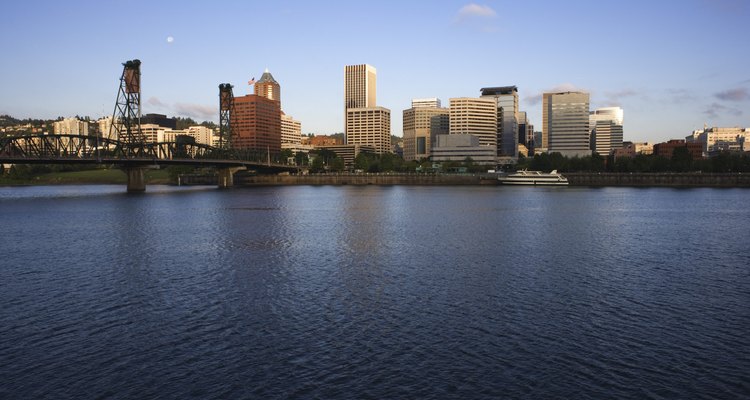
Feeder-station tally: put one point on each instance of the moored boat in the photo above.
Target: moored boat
(525, 177)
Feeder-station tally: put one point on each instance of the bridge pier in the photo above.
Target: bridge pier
(137, 177)
(226, 176)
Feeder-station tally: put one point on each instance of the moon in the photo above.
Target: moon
(170, 39)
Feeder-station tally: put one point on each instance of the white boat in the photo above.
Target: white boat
(525, 177)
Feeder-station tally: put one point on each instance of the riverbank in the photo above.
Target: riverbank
(593, 179)
(575, 179)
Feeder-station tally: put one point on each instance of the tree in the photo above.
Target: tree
(682, 160)
(301, 158)
(337, 164)
(285, 155)
(317, 164)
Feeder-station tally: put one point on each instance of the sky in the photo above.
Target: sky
(672, 65)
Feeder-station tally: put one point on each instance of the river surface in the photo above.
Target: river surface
(374, 292)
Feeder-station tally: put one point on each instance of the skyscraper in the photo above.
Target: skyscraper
(268, 87)
(369, 126)
(422, 123)
(525, 131)
(565, 123)
(507, 118)
(257, 118)
(365, 123)
(359, 86)
(475, 116)
(606, 129)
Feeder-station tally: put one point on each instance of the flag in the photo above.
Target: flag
(251, 81)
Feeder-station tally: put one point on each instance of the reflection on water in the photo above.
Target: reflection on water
(379, 292)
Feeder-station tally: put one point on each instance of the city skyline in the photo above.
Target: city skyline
(671, 67)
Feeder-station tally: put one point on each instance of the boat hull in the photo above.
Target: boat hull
(533, 178)
(534, 183)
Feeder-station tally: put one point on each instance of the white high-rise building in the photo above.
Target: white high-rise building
(71, 126)
(359, 86)
(365, 123)
(717, 139)
(606, 126)
(291, 130)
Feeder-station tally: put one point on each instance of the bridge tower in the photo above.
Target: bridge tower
(126, 118)
(226, 113)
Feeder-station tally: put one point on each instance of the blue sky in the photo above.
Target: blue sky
(672, 65)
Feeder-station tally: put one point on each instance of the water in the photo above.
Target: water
(374, 292)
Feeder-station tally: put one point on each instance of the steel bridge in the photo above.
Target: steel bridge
(132, 152)
(134, 160)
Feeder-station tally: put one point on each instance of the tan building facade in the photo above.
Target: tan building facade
(291, 130)
(268, 87)
(359, 86)
(420, 127)
(370, 126)
(474, 116)
(717, 139)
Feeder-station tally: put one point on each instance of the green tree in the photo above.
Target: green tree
(337, 164)
(301, 158)
(682, 160)
(285, 155)
(317, 164)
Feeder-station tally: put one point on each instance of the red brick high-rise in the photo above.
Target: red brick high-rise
(257, 118)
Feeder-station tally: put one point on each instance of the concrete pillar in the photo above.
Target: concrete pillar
(136, 179)
(226, 176)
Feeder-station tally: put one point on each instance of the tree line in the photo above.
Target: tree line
(681, 161)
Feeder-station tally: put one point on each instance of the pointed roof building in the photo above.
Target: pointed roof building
(268, 87)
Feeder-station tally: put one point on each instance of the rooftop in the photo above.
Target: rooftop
(493, 91)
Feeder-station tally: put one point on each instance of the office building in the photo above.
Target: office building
(70, 126)
(421, 124)
(606, 126)
(267, 87)
(359, 86)
(525, 131)
(474, 116)
(370, 126)
(565, 123)
(717, 139)
(460, 147)
(348, 152)
(291, 130)
(257, 124)
(666, 149)
(432, 102)
(506, 98)
(364, 122)
(257, 117)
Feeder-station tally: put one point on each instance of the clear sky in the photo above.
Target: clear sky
(672, 65)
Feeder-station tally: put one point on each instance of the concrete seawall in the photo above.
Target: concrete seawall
(693, 179)
(363, 179)
(575, 179)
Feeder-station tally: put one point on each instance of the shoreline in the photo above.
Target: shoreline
(577, 179)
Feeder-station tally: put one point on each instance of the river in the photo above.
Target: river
(342, 292)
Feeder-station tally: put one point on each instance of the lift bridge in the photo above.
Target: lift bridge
(126, 146)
